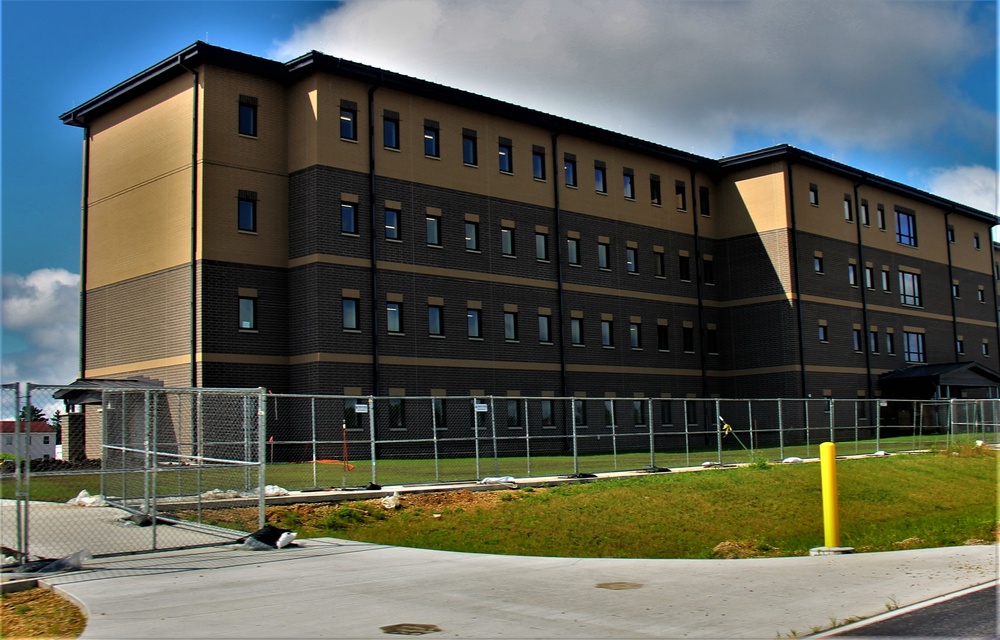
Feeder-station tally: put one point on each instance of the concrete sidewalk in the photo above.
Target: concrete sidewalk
(330, 588)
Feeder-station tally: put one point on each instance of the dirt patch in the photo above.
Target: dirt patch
(37, 613)
(744, 549)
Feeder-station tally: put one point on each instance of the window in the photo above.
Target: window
(471, 236)
(848, 209)
(432, 140)
(814, 195)
(600, 178)
(392, 224)
(433, 224)
(981, 294)
(349, 314)
(955, 293)
(569, 169)
(708, 270)
(691, 412)
(687, 335)
(576, 331)
(630, 261)
(865, 218)
(573, 251)
(607, 333)
(628, 184)
(475, 329)
(394, 317)
(635, 335)
(856, 336)
(880, 214)
(638, 413)
(886, 281)
(512, 417)
(248, 313)
(951, 234)
(703, 202)
(712, 341)
(824, 333)
(913, 347)
(960, 345)
(662, 337)
(870, 277)
(507, 241)
(541, 246)
(873, 341)
(579, 415)
(666, 412)
(975, 242)
(680, 192)
(609, 413)
(538, 162)
(437, 408)
(546, 410)
(544, 329)
(348, 121)
(470, 148)
(396, 413)
(685, 268)
(506, 151)
(890, 343)
(986, 349)
(248, 116)
(603, 260)
(435, 320)
(659, 265)
(510, 326)
(852, 274)
(348, 218)
(247, 211)
(390, 130)
(909, 289)
(655, 194)
(906, 228)
(818, 264)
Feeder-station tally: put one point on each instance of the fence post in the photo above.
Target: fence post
(652, 440)
(781, 431)
(750, 422)
(261, 456)
(21, 482)
(146, 449)
(718, 429)
(833, 411)
(155, 464)
(614, 435)
(493, 434)
(371, 434)
(434, 437)
(312, 420)
(576, 456)
(475, 435)
(527, 437)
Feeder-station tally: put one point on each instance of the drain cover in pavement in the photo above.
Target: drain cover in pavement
(410, 629)
(618, 586)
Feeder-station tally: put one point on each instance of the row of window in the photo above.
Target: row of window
(914, 345)
(910, 291)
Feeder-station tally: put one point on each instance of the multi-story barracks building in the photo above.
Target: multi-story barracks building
(321, 226)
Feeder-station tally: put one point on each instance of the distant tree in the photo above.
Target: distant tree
(31, 413)
(54, 421)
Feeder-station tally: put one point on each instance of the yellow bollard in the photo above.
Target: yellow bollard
(831, 510)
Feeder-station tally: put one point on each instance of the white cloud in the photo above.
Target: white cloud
(696, 74)
(974, 186)
(41, 326)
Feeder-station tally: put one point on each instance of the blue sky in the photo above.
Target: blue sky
(907, 90)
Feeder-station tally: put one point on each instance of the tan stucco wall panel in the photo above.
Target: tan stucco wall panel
(219, 237)
(754, 201)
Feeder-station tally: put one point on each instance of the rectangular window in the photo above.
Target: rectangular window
(509, 326)
(886, 281)
(248, 313)
(890, 343)
(873, 341)
(548, 420)
(390, 130)
(708, 271)
(576, 331)
(955, 290)
(573, 251)
(348, 218)
(981, 293)
(814, 195)
(432, 140)
(607, 333)
(545, 329)
(348, 121)
(703, 202)
(913, 347)
(662, 337)
(666, 412)
(685, 268)
(396, 414)
(635, 335)
(951, 234)
(639, 413)
(506, 155)
(248, 116)
(471, 236)
(824, 333)
(538, 162)
(392, 224)
(865, 218)
(609, 413)
(852, 274)
(437, 407)
(512, 417)
(475, 329)
(603, 259)
(880, 214)
(960, 345)
(856, 336)
(680, 193)
(986, 349)
(818, 264)
(628, 184)
(687, 336)
(435, 320)
(909, 289)
(541, 246)
(394, 317)
(659, 265)
(349, 314)
(507, 241)
(569, 169)
(433, 224)
(870, 277)
(906, 228)
(655, 194)
(630, 261)
(975, 242)
(712, 341)
(600, 178)
(247, 211)
(848, 209)
(470, 148)
(579, 414)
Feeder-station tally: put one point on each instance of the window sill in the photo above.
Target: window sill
(509, 341)
(396, 240)
(351, 140)
(608, 269)
(543, 260)
(436, 336)
(352, 330)
(432, 157)
(636, 348)
(574, 264)
(246, 232)
(350, 234)
(572, 186)
(661, 277)
(436, 246)
(634, 273)
(396, 333)
(248, 331)
(607, 346)
(393, 149)
(508, 255)
(470, 165)
(475, 339)
(545, 342)
(247, 136)
(578, 345)
(506, 173)
(537, 179)
(658, 205)
(473, 251)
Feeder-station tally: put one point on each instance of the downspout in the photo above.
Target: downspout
(951, 282)
(996, 279)
(865, 328)
(373, 248)
(698, 285)
(194, 224)
(84, 212)
(559, 265)
(796, 282)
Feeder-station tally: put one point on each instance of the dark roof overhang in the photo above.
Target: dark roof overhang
(953, 374)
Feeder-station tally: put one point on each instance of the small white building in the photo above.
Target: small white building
(41, 439)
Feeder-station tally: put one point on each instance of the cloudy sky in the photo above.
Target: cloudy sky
(907, 90)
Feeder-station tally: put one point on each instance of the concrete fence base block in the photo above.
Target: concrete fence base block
(830, 551)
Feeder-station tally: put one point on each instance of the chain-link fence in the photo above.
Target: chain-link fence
(160, 460)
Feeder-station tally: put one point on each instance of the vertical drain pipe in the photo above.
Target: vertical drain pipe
(865, 328)
(194, 223)
(84, 212)
(373, 247)
(559, 264)
(951, 281)
(698, 285)
(796, 282)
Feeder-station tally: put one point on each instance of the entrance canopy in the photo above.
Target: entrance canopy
(931, 381)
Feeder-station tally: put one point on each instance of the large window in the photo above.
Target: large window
(655, 194)
(909, 289)
(541, 246)
(680, 194)
(435, 320)
(607, 333)
(704, 206)
(573, 251)
(631, 264)
(600, 178)
(538, 163)
(472, 236)
(437, 407)
(512, 415)
(510, 326)
(434, 231)
(506, 155)
(390, 130)
(576, 331)
(687, 335)
(348, 217)
(348, 122)
(913, 347)
(396, 414)
(470, 148)
(906, 228)
(548, 420)
(349, 314)
(432, 146)
(663, 337)
(684, 268)
(603, 260)
(635, 335)
(475, 328)
(394, 317)
(248, 313)
(392, 231)
(247, 211)
(569, 169)
(248, 116)
(507, 241)
(544, 329)
(628, 184)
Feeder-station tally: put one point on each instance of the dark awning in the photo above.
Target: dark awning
(923, 380)
(91, 390)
